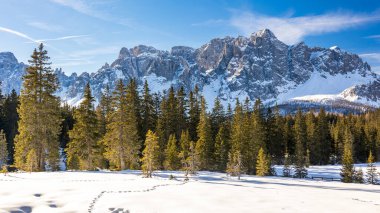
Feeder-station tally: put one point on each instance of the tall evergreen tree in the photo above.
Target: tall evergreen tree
(148, 114)
(235, 165)
(84, 136)
(172, 161)
(194, 111)
(184, 143)
(3, 149)
(150, 154)
(347, 171)
(301, 139)
(11, 119)
(121, 140)
(103, 110)
(372, 176)
(205, 144)
(39, 124)
(323, 137)
(263, 164)
(222, 147)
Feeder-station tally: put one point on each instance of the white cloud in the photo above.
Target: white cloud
(371, 56)
(293, 29)
(63, 38)
(88, 8)
(19, 34)
(373, 59)
(46, 26)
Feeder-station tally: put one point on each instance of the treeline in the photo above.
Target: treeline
(129, 129)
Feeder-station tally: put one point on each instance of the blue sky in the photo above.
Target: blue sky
(81, 35)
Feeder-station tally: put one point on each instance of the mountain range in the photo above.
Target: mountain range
(259, 66)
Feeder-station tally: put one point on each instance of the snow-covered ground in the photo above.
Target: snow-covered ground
(207, 192)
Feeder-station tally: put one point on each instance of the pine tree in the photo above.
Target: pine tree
(205, 144)
(181, 111)
(84, 135)
(39, 124)
(148, 114)
(372, 176)
(103, 110)
(235, 165)
(222, 147)
(31, 161)
(184, 150)
(347, 171)
(254, 136)
(121, 140)
(150, 154)
(301, 139)
(262, 165)
(192, 159)
(172, 161)
(323, 137)
(11, 119)
(358, 176)
(217, 117)
(194, 111)
(3, 149)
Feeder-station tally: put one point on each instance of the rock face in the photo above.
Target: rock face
(259, 66)
(11, 72)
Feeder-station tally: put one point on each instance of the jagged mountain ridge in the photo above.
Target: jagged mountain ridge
(259, 66)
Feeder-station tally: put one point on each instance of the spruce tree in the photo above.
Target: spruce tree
(103, 110)
(205, 144)
(11, 119)
(148, 113)
(193, 159)
(150, 154)
(323, 138)
(194, 111)
(172, 161)
(121, 140)
(184, 150)
(372, 176)
(3, 149)
(301, 139)
(347, 171)
(262, 164)
(235, 164)
(358, 176)
(182, 110)
(222, 147)
(84, 136)
(31, 161)
(39, 124)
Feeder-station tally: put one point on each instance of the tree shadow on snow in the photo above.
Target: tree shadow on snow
(22, 209)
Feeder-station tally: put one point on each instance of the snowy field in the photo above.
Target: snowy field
(127, 191)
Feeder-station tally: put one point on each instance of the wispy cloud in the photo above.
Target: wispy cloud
(373, 59)
(19, 34)
(371, 56)
(374, 36)
(87, 8)
(46, 26)
(294, 29)
(62, 38)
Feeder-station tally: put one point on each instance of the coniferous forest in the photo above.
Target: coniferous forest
(135, 129)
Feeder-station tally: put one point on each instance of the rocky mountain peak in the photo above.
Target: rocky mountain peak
(8, 58)
(260, 66)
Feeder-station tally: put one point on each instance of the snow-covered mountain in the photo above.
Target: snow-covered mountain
(259, 66)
